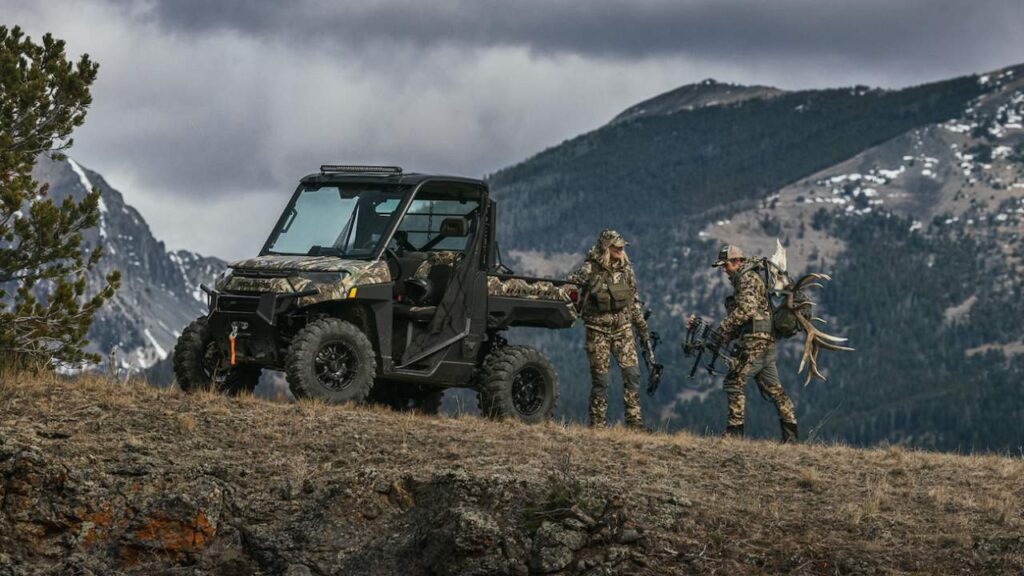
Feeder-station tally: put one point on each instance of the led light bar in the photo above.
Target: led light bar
(347, 169)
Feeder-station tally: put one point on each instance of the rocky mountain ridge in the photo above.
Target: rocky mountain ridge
(159, 291)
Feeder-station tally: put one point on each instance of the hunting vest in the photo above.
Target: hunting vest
(608, 295)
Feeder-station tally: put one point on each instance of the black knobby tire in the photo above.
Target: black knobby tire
(517, 382)
(195, 363)
(332, 360)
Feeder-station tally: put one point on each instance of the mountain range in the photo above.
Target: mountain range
(911, 199)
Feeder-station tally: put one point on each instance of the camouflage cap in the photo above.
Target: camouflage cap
(728, 252)
(611, 238)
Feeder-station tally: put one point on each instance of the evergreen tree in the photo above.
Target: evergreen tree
(44, 312)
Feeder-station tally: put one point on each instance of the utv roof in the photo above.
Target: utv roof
(390, 174)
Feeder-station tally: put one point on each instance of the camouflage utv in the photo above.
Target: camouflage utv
(378, 285)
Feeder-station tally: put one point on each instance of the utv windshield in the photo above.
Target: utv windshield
(346, 220)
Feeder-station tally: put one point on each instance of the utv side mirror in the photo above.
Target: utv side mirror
(454, 227)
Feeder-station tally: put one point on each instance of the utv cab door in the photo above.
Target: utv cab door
(441, 294)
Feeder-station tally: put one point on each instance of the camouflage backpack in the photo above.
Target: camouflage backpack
(784, 319)
(785, 323)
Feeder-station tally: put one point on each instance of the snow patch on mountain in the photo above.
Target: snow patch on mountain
(156, 345)
(83, 179)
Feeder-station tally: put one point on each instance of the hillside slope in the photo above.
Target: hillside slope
(106, 478)
(876, 187)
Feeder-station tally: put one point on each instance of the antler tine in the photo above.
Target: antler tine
(828, 337)
(815, 333)
(812, 277)
(833, 347)
(808, 347)
(815, 342)
(813, 371)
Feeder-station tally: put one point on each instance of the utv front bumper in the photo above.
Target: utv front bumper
(253, 319)
(267, 307)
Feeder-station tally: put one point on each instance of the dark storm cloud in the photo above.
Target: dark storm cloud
(949, 33)
(206, 112)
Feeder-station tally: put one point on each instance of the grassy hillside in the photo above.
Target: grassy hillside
(113, 478)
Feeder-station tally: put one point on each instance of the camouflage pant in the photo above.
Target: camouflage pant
(600, 347)
(756, 358)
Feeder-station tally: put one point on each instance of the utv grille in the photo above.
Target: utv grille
(243, 304)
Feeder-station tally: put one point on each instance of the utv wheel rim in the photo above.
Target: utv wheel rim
(528, 391)
(335, 366)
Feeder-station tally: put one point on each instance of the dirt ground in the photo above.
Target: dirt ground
(105, 478)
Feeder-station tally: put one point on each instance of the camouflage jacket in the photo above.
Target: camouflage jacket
(749, 303)
(587, 276)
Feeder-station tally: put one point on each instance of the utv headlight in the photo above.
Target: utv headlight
(326, 277)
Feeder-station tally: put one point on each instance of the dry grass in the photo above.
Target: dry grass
(811, 480)
(719, 505)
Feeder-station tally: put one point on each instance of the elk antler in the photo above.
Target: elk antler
(816, 339)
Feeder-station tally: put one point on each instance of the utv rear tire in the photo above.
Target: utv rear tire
(518, 382)
(332, 360)
(195, 362)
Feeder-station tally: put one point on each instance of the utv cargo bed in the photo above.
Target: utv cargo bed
(533, 302)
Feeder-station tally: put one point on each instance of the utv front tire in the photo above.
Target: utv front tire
(196, 362)
(518, 382)
(332, 360)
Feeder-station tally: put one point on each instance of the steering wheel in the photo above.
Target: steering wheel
(389, 253)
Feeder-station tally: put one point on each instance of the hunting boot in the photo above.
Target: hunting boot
(734, 431)
(789, 432)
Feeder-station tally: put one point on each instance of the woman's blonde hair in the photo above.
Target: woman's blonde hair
(606, 257)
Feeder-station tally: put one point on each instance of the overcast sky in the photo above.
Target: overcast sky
(207, 112)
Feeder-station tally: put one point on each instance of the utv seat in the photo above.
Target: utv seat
(426, 293)
(403, 268)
